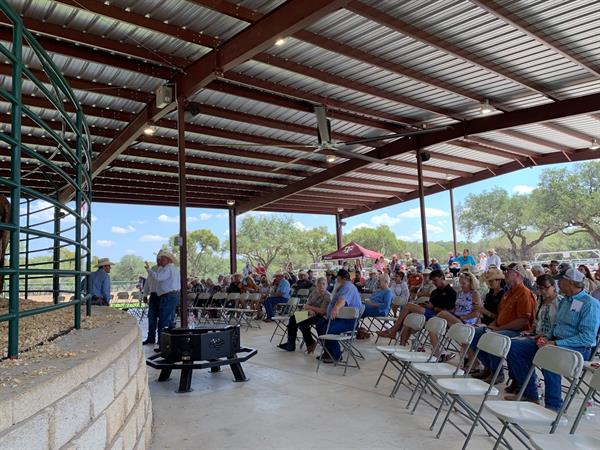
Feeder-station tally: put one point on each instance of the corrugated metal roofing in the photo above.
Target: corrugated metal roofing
(373, 73)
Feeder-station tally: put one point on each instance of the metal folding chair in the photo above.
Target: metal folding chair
(514, 415)
(346, 340)
(381, 321)
(282, 318)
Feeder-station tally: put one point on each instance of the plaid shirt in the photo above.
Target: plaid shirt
(577, 321)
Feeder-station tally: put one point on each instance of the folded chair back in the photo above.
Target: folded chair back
(348, 312)
(414, 321)
(461, 333)
(233, 296)
(303, 292)
(494, 344)
(203, 296)
(567, 363)
(245, 296)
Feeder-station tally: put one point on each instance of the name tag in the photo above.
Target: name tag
(576, 305)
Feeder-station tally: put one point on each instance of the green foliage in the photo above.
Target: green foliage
(129, 268)
(381, 239)
(316, 242)
(202, 252)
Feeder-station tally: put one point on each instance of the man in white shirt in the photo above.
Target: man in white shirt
(150, 295)
(492, 260)
(168, 284)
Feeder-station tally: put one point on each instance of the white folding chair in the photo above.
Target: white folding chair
(302, 295)
(282, 318)
(513, 415)
(571, 441)
(435, 327)
(459, 337)
(382, 321)
(415, 323)
(217, 306)
(346, 340)
(456, 388)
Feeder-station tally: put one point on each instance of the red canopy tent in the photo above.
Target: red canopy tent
(352, 251)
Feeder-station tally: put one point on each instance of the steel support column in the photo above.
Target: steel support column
(232, 241)
(451, 192)
(56, 256)
(338, 231)
(422, 208)
(182, 210)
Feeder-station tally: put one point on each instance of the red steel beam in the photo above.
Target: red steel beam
(535, 33)
(501, 146)
(575, 134)
(541, 113)
(535, 140)
(443, 45)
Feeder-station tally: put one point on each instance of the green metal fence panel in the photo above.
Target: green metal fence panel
(42, 230)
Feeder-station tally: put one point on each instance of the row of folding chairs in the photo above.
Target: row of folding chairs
(233, 308)
(446, 386)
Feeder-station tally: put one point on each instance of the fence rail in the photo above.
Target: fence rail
(37, 222)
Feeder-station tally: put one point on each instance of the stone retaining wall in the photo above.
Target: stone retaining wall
(96, 399)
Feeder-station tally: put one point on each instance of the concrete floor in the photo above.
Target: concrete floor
(286, 405)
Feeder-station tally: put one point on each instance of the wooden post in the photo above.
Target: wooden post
(232, 241)
(422, 207)
(453, 222)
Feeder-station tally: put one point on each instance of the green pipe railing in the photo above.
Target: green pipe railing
(33, 234)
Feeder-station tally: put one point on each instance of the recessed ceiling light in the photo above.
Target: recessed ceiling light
(279, 42)
(595, 144)
(149, 131)
(340, 210)
(330, 158)
(448, 177)
(231, 202)
(486, 108)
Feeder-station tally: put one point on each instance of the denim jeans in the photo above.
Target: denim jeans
(374, 311)
(270, 302)
(489, 361)
(520, 359)
(153, 307)
(304, 327)
(336, 326)
(166, 311)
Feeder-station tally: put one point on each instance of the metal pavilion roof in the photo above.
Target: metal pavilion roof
(379, 66)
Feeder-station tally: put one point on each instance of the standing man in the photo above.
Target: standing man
(100, 283)
(346, 295)
(282, 294)
(492, 260)
(168, 283)
(150, 294)
(576, 328)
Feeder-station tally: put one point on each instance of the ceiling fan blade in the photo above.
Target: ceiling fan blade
(393, 136)
(300, 158)
(260, 145)
(323, 124)
(351, 155)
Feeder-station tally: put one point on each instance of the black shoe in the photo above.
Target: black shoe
(287, 346)
(146, 342)
(157, 349)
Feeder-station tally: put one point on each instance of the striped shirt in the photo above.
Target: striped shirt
(577, 321)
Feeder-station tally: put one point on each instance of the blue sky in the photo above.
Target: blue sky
(141, 230)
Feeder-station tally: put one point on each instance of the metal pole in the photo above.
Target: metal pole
(232, 241)
(27, 237)
(453, 222)
(15, 192)
(78, 204)
(422, 207)
(182, 211)
(338, 231)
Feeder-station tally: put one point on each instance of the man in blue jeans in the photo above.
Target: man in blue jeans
(575, 328)
(150, 295)
(346, 295)
(282, 295)
(168, 285)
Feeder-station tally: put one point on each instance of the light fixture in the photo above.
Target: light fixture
(149, 130)
(595, 144)
(279, 42)
(448, 177)
(231, 202)
(486, 108)
(340, 210)
(330, 158)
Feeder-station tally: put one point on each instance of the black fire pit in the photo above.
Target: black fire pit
(205, 347)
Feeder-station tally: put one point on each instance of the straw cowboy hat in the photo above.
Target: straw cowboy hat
(494, 274)
(167, 254)
(104, 262)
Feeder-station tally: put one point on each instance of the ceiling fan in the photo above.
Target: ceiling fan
(336, 148)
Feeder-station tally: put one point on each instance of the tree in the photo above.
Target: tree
(515, 217)
(202, 245)
(262, 239)
(316, 242)
(129, 268)
(573, 196)
(381, 239)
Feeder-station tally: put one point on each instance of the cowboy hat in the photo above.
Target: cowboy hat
(104, 262)
(167, 254)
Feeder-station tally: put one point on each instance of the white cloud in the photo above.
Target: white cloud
(442, 222)
(415, 213)
(522, 189)
(153, 238)
(299, 225)
(361, 225)
(168, 219)
(404, 237)
(192, 219)
(434, 229)
(222, 216)
(130, 252)
(385, 219)
(105, 243)
(138, 222)
(205, 216)
(123, 230)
